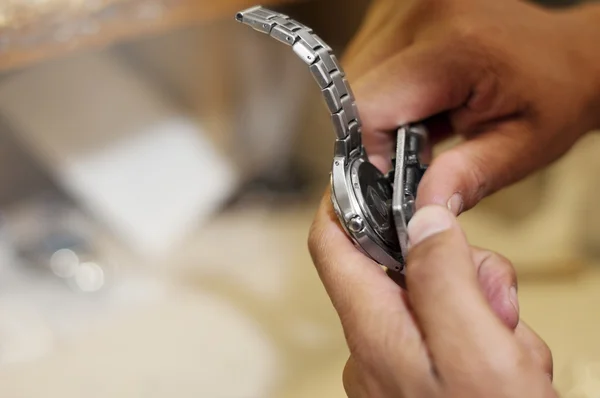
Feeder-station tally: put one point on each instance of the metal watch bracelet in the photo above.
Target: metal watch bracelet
(324, 67)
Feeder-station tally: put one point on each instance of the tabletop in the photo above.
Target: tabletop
(35, 30)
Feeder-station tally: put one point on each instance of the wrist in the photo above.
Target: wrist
(584, 44)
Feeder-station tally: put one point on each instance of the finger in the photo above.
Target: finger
(355, 385)
(457, 321)
(370, 305)
(538, 350)
(414, 85)
(498, 281)
(460, 177)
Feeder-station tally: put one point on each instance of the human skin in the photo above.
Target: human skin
(520, 84)
(452, 333)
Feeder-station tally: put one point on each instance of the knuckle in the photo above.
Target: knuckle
(497, 257)
(479, 183)
(471, 172)
(358, 383)
(546, 358)
(481, 256)
(536, 350)
(498, 267)
(467, 30)
(349, 378)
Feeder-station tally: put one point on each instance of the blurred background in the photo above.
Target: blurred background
(160, 166)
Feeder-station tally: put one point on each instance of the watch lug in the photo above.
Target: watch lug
(349, 147)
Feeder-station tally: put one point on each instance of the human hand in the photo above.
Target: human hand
(455, 332)
(519, 82)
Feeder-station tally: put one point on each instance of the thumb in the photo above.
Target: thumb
(445, 293)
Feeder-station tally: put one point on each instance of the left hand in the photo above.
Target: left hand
(458, 317)
(499, 74)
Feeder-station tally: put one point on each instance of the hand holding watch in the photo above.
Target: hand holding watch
(373, 208)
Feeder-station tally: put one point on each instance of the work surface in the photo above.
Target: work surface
(33, 31)
(244, 315)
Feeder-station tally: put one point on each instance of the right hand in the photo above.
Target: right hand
(454, 333)
(519, 82)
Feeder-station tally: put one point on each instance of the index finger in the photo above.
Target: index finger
(371, 307)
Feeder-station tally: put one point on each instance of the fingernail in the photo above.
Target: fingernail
(514, 299)
(428, 221)
(455, 204)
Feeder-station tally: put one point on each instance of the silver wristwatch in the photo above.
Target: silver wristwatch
(372, 207)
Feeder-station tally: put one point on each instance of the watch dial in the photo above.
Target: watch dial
(376, 192)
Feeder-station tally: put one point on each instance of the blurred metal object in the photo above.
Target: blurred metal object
(51, 238)
(361, 194)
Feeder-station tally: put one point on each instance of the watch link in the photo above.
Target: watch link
(373, 208)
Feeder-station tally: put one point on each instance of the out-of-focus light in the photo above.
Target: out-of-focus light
(64, 263)
(89, 277)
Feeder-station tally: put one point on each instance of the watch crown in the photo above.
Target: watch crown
(356, 224)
